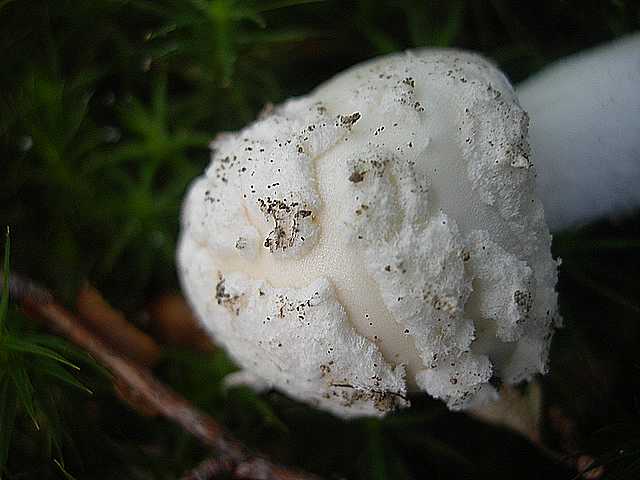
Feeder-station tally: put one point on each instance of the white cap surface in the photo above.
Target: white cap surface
(585, 133)
(378, 235)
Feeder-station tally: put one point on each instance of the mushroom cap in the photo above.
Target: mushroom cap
(378, 235)
(585, 133)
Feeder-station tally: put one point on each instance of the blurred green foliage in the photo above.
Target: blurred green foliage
(106, 110)
(34, 368)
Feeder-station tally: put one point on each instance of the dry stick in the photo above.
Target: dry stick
(111, 325)
(232, 454)
(209, 469)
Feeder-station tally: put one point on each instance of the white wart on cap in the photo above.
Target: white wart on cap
(376, 236)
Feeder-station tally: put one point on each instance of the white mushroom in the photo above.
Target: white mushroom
(378, 235)
(585, 139)
(585, 133)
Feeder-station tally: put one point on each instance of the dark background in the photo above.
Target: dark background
(106, 109)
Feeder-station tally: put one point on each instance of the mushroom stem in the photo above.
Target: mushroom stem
(518, 410)
(585, 133)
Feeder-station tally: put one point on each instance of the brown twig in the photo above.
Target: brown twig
(237, 460)
(209, 469)
(112, 326)
(172, 321)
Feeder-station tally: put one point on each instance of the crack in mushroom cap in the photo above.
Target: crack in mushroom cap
(379, 235)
